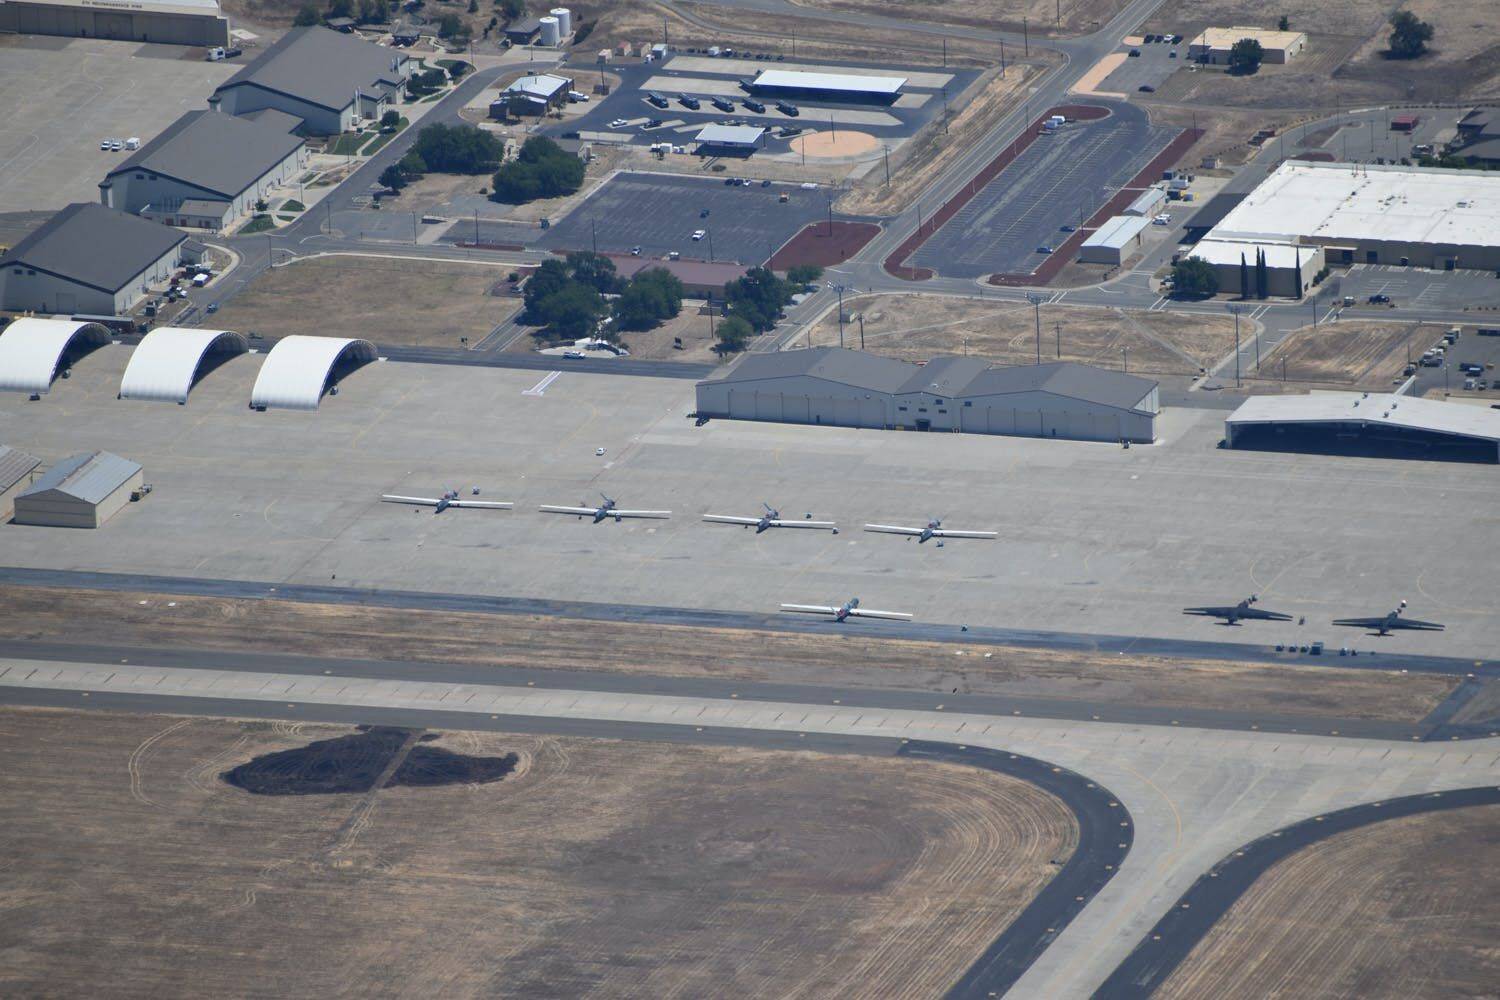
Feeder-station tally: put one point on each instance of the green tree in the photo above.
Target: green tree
(542, 169)
(804, 274)
(1285, 24)
(341, 8)
(458, 149)
(393, 177)
(1245, 56)
(1409, 35)
(1195, 278)
(307, 17)
(412, 164)
(651, 296)
(594, 270)
(733, 334)
(546, 280)
(757, 298)
(390, 119)
(572, 311)
(511, 9)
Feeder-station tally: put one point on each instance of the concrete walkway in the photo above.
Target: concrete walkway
(1195, 795)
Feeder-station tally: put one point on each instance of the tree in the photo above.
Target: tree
(1409, 35)
(1195, 277)
(1285, 24)
(511, 9)
(804, 274)
(733, 333)
(1244, 277)
(307, 17)
(1245, 56)
(651, 296)
(450, 25)
(757, 298)
(341, 8)
(572, 311)
(546, 280)
(458, 149)
(542, 169)
(393, 177)
(412, 164)
(390, 119)
(1262, 276)
(594, 270)
(473, 6)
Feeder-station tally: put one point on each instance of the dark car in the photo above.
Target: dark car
(1135, 53)
(1043, 249)
(787, 108)
(1146, 88)
(1378, 299)
(722, 104)
(755, 106)
(690, 102)
(656, 99)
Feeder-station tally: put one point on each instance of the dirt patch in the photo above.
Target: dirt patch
(396, 301)
(374, 757)
(918, 327)
(539, 642)
(835, 144)
(594, 867)
(1040, 17)
(1350, 354)
(824, 244)
(1400, 909)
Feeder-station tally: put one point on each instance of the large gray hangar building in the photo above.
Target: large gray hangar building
(175, 22)
(841, 388)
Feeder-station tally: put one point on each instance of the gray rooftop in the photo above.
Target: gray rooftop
(219, 153)
(851, 368)
(945, 376)
(95, 246)
(321, 67)
(89, 476)
(274, 116)
(15, 465)
(1065, 378)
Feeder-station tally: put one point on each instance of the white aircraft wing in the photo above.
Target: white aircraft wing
(730, 519)
(485, 504)
(945, 533)
(900, 616)
(810, 609)
(825, 525)
(640, 513)
(894, 529)
(419, 501)
(550, 509)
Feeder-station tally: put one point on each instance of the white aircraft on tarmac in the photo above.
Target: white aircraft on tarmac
(605, 510)
(770, 519)
(449, 498)
(934, 529)
(849, 609)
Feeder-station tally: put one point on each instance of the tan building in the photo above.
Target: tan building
(16, 469)
(1213, 44)
(82, 491)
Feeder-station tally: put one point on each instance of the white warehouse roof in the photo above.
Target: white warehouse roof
(1279, 254)
(31, 348)
(1356, 202)
(731, 135)
(166, 362)
(1118, 231)
(1382, 408)
(543, 85)
(790, 79)
(297, 369)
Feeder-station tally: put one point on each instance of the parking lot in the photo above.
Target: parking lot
(63, 95)
(1151, 68)
(1469, 349)
(660, 212)
(1059, 180)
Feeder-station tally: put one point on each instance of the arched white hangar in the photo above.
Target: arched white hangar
(298, 369)
(32, 351)
(166, 363)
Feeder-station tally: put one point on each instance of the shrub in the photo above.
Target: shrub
(458, 149)
(541, 170)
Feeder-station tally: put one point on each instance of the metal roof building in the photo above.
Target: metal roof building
(90, 259)
(1290, 266)
(841, 388)
(165, 364)
(735, 138)
(533, 94)
(323, 77)
(82, 491)
(1367, 423)
(16, 468)
(298, 369)
(1213, 45)
(1116, 239)
(32, 351)
(175, 22)
(839, 87)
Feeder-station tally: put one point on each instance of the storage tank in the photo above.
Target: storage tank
(550, 33)
(564, 20)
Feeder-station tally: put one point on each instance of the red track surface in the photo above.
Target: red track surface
(894, 264)
(816, 245)
(1122, 199)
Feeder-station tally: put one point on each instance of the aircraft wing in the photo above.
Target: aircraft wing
(419, 501)
(893, 529)
(547, 508)
(1418, 625)
(728, 519)
(945, 533)
(825, 525)
(484, 504)
(1385, 623)
(640, 513)
(899, 616)
(810, 609)
(1210, 612)
(1270, 616)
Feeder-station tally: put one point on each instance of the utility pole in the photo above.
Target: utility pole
(861, 330)
(414, 229)
(1002, 57)
(945, 51)
(945, 109)
(1057, 329)
(1025, 39)
(840, 290)
(593, 233)
(1036, 305)
(830, 216)
(270, 254)
(710, 235)
(1125, 359)
(886, 153)
(1235, 310)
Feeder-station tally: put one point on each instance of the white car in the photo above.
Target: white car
(698, 234)
(104, 145)
(115, 145)
(1162, 220)
(618, 123)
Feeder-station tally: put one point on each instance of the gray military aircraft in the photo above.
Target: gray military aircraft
(1386, 624)
(849, 609)
(604, 511)
(933, 529)
(770, 519)
(1242, 610)
(450, 498)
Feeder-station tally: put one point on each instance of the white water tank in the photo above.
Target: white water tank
(564, 20)
(550, 33)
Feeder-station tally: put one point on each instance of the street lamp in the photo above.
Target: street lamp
(1235, 309)
(1036, 304)
(840, 290)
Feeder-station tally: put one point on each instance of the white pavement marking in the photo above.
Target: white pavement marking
(541, 387)
(1194, 795)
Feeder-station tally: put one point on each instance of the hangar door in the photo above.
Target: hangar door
(846, 412)
(116, 26)
(742, 405)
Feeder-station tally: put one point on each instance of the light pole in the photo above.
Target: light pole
(710, 235)
(1125, 359)
(840, 290)
(1057, 329)
(1036, 305)
(1235, 310)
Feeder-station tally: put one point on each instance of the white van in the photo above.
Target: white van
(200, 279)
(216, 54)
(134, 142)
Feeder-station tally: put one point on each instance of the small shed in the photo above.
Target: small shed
(16, 468)
(524, 31)
(81, 491)
(1404, 123)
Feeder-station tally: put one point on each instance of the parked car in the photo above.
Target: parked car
(1378, 299)
(618, 123)
(572, 355)
(1135, 53)
(635, 251)
(698, 234)
(1044, 249)
(1146, 88)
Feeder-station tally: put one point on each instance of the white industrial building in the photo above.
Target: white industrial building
(207, 170)
(840, 388)
(532, 95)
(16, 472)
(1422, 217)
(836, 87)
(34, 350)
(173, 22)
(1366, 423)
(1148, 203)
(1290, 266)
(82, 491)
(299, 369)
(325, 78)
(1212, 45)
(733, 140)
(88, 259)
(1114, 241)
(166, 363)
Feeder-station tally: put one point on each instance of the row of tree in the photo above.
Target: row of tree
(542, 169)
(363, 12)
(567, 298)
